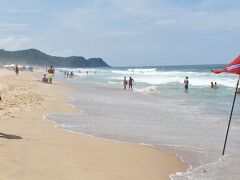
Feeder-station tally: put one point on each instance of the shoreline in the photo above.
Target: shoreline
(189, 166)
(38, 143)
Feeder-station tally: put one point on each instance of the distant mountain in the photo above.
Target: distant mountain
(38, 58)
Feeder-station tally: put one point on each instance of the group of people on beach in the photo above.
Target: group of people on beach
(186, 83)
(68, 74)
(50, 71)
(16, 68)
(212, 85)
(128, 82)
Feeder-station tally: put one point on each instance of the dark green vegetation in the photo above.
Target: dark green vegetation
(38, 58)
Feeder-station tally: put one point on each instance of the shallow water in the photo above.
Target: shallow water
(191, 125)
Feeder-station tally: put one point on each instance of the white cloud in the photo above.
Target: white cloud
(81, 19)
(13, 43)
(5, 26)
(201, 20)
(165, 22)
(202, 17)
(139, 8)
(23, 11)
(120, 34)
(136, 16)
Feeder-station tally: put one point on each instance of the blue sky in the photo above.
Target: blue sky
(125, 32)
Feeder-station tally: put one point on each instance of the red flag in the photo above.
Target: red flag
(233, 67)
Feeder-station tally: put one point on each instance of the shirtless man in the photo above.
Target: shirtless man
(50, 74)
(130, 82)
(186, 82)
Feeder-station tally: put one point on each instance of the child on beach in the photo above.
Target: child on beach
(45, 79)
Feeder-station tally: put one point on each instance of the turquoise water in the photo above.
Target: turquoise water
(168, 81)
(161, 113)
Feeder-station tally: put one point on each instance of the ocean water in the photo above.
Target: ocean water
(159, 112)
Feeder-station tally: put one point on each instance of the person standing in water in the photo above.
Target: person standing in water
(130, 82)
(50, 74)
(16, 69)
(125, 83)
(215, 85)
(186, 82)
(238, 91)
(212, 85)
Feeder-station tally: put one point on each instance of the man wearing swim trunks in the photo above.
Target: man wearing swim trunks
(186, 82)
(130, 82)
(50, 74)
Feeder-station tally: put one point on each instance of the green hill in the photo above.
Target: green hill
(37, 58)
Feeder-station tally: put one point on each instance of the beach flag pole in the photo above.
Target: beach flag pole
(233, 67)
(230, 118)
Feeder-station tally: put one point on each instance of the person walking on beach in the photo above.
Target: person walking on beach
(186, 82)
(130, 82)
(125, 83)
(50, 74)
(16, 69)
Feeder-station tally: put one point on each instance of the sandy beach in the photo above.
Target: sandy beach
(32, 148)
